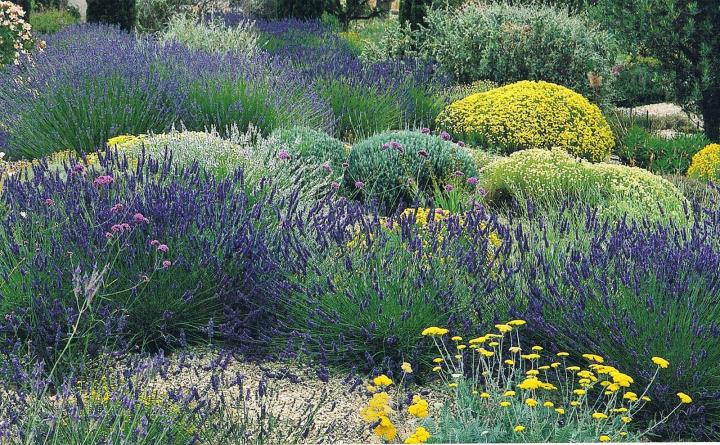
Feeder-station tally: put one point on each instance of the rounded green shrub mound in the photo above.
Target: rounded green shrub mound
(208, 149)
(508, 43)
(394, 166)
(527, 115)
(311, 146)
(550, 177)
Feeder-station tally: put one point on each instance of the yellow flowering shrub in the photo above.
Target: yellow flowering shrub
(551, 177)
(531, 115)
(706, 164)
(495, 385)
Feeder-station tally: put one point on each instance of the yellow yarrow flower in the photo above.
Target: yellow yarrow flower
(434, 331)
(599, 416)
(407, 368)
(604, 438)
(519, 429)
(532, 403)
(684, 398)
(661, 362)
(382, 380)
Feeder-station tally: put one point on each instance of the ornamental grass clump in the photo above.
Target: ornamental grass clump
(398, 166)
(550, 178)
(502, 390)
(169, 255)
(530, 115)
(706, 164)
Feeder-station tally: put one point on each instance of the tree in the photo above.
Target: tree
(301, 9)
(413, 12)
(683, 35)
(114, 12)
(349, 10)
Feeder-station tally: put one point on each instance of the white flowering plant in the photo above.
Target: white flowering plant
(15, 37)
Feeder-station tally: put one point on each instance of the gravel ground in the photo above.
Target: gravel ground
(294, 385)
(663, 109)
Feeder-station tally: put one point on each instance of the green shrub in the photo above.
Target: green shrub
(550, 178)
(362, 110)
(211, 35)
(658, 154)
(312, 146)
(639, 81)
(458, 92)
(396, 166)
(529, 114)
(208, 149)
(154, 15)
(112, 12)
(52, 20)
(506, 43)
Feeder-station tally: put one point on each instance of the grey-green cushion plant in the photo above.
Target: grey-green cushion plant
(398, 166)
(312, 146)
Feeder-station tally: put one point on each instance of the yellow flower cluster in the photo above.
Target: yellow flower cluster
(530, 114)
(379, 408)
(706, 164)
(495, 369)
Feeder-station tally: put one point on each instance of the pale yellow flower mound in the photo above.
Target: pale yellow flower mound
(529, 114)
(706, 164)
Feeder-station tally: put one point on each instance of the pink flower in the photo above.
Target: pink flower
(117, 208)
(458, 173)
(163, 248)
(425, 130)
(445, 136)
(449, 188)
(335, 185)
(108, 235)
(461, 143)
(327, 167)
(103, 180)
(283, 155)
(49, 202)
(154, 243)
(359, 184)
(166, 264)
(140, 218)
(78, 168)
(472, 180)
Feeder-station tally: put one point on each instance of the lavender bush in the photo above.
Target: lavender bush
(95, 82)
(176, 255)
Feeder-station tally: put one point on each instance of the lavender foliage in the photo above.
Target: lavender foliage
(95, 82)
(180, 250)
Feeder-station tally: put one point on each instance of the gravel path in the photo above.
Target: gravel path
(293, 387)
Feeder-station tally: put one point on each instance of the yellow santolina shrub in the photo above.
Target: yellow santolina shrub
(528, 114)
(551, 177)
(706, 164)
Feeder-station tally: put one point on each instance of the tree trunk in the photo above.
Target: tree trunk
(710, 109)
